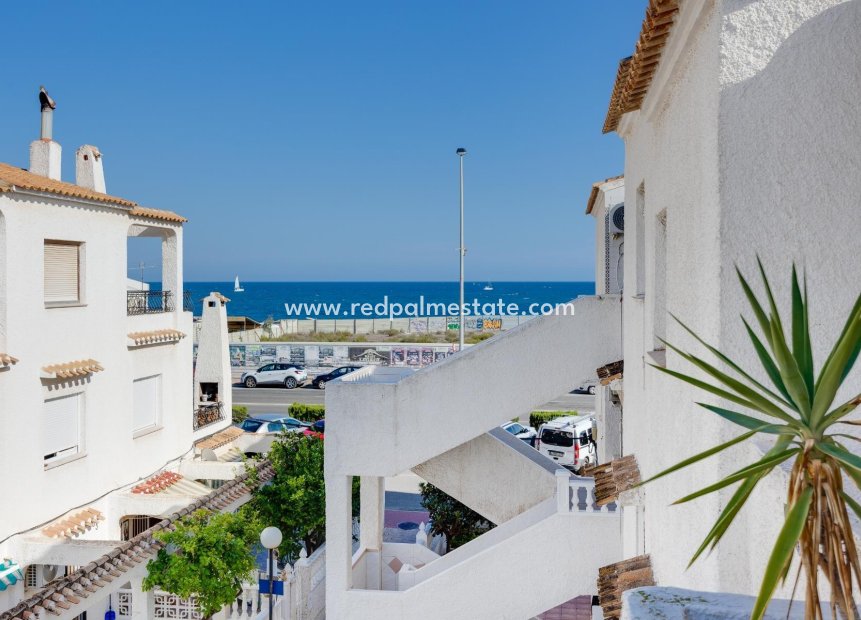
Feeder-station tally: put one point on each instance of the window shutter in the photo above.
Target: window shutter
(61, 272)
(62, 419)
(147, 397)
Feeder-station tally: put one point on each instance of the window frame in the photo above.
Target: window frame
(81, 449)
(159, 402)
(81, 254)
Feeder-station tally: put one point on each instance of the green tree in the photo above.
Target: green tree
(207, 556)
(294, 500)
(448, 516)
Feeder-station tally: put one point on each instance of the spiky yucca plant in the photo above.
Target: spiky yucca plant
(799, 413)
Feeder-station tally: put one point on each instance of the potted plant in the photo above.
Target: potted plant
(799, 412)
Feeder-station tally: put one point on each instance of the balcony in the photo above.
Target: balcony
(208, 413)
(155, 302)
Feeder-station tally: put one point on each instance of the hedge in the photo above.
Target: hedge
(537, 418)
(307, 413)
(239, 413)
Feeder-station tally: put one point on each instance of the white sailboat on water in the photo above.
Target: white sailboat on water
(488, 287)
(237, 288)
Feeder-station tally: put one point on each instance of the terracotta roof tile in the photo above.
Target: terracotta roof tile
(13, 177)
(67, 370)
(7, 360)
(157, 214)
(101, 572)
(75, 524)
(157, 336)
(221, 438)
(593, 194)
(157, 483)
(635, 72)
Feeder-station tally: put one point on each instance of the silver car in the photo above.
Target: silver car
(276, 373)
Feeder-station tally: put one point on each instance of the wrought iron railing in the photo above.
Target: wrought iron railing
(149, 302)
(208, 413)
(187, 302)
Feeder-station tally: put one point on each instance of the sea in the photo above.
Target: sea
(261, 300)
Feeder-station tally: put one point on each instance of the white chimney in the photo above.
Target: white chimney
(89, 172)
(45, 154)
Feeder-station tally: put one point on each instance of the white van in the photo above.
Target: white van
(570, 441)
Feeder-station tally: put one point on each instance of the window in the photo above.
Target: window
(62, 272)
(30, 580)
(62, 428)
(147, 404)
(641, 240)
(557, 438)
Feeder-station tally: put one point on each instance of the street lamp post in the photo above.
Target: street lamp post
(461, 152)
(270, 538)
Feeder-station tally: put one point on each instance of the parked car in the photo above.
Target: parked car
(288, 375)
(570, 441)
(317, 429)
(526, 433)
(587, 387)
(321, 380)
(271, 423)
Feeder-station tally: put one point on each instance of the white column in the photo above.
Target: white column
(339, 543)
(372, 498)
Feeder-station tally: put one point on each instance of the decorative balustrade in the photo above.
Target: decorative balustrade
(576, 494)
(167, 605)
(149, 302)
(208, 413)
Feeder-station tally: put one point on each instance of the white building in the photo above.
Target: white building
(102, 433)
(741, 137)
(741, 132)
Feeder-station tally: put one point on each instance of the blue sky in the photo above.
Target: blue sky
(315, 140)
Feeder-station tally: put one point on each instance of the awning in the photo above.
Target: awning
(159, 336)
(171, 483)
(69, 370)
(7, 360)
(74, 524)
(222, 438)
(10, 574)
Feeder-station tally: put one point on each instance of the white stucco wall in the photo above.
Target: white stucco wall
(97, 329)
(491, 476)
(749, 140)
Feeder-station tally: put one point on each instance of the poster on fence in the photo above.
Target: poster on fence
(237, 355)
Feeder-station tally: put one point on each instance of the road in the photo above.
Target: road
(276, 399)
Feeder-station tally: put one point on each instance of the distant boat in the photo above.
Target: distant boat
(488, 287)
(237, 287)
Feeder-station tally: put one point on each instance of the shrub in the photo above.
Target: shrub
(537, 418)
(307, 412)
(476, 337)
(458, 523)
(239, 413)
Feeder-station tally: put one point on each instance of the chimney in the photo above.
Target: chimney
(89, 172)
(45, 154)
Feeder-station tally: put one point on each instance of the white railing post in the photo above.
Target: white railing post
(563, 486)
(422, 535)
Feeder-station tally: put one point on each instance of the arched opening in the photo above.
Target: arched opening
(132, 525)
(154, 281)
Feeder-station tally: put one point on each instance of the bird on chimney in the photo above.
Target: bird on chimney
(45, 99)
